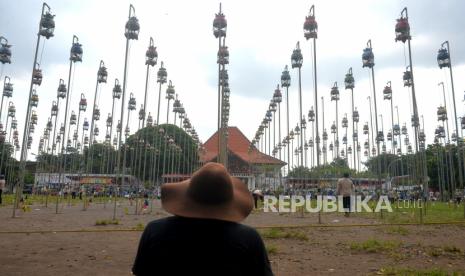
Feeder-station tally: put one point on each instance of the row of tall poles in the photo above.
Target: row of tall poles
(61, 142)
(377, 145)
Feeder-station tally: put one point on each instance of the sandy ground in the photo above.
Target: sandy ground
(314, 251)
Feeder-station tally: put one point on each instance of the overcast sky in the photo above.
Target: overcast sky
(261, 36)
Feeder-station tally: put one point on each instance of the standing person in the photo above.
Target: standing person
(345, 188)
(2, 187)
(204, 237)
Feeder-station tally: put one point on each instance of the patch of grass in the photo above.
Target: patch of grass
(104, 222)
(271, 249)
(452, 249)
(280, 233)
(375, 246)
(140, 226)
(414, 272)
(397, 230)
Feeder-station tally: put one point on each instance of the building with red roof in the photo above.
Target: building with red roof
(244, 161)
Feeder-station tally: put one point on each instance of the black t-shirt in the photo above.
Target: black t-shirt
(189, 246)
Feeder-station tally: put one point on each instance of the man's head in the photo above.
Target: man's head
(346, 175)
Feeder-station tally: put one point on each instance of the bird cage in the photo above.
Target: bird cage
(226, 91)
(126, 131)
(37, 76)
(355, 136)
(76, 51)
(14, 123)
(399, 151)
(422, 136)
(61, 91)
(75, 135)
(34, 118)
(325, 135)
(404, 130)
(29, 142)
(15, 134)
(176, 105)
(102, 73)
(365, 128)
(344, 140)
(297, 130)
(107, 138)
(5, 52)
(310, 143)
(162, 75)
(389, 136)
(96, 131)
(219, 25)
(345, 122)
(224, 77)
(72, 118)
(443, 58)
(366, 145)
(296, 57)
(349, 80)
(82, 103)
(349, 150)
(373, 151)
(355, 116)
(311, 115)
(453, 137)
(409, 149)
(132, 27)
(47, 24)
(49, 124)
(115, 141)
(402, 29)
(151, 55)
(324, 149)
(305, 146)
(387, 92)
(335, 92)
(331, 146)
(333, 128)
(285, 78)
(85, 125)
(442, 113)
(396, 130)
(2, 136)
(54, 110)
(69, 147)
(7, 88)
(368, 58)
(62, 129)
(383, 148)
(406, 140)
(380, 136)
(407, 78)
(415, 121)
(96, 114)
(343, 153)
(277, 96)
(117, 91)
(310, 25)
(394, 143)
(58, 141)
(223, 55)
(11, 109)
(141, 113)
(109, 120)
(170, 91)
(462, 122)
(34, 99)
(31, 128)
(272, 106)
(86, 140)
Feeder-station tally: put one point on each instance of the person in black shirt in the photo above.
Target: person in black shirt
(204, 237)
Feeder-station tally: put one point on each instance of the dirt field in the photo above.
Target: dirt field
(367, 250)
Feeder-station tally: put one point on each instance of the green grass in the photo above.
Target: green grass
(282, 233)
(104, 222)
(399, 230)
(435, 212)
(140, 226)
(447, 251)
(271, 249)
(393, 271)
(375, 246)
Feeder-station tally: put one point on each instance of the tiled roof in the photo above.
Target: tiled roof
(239, 145)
